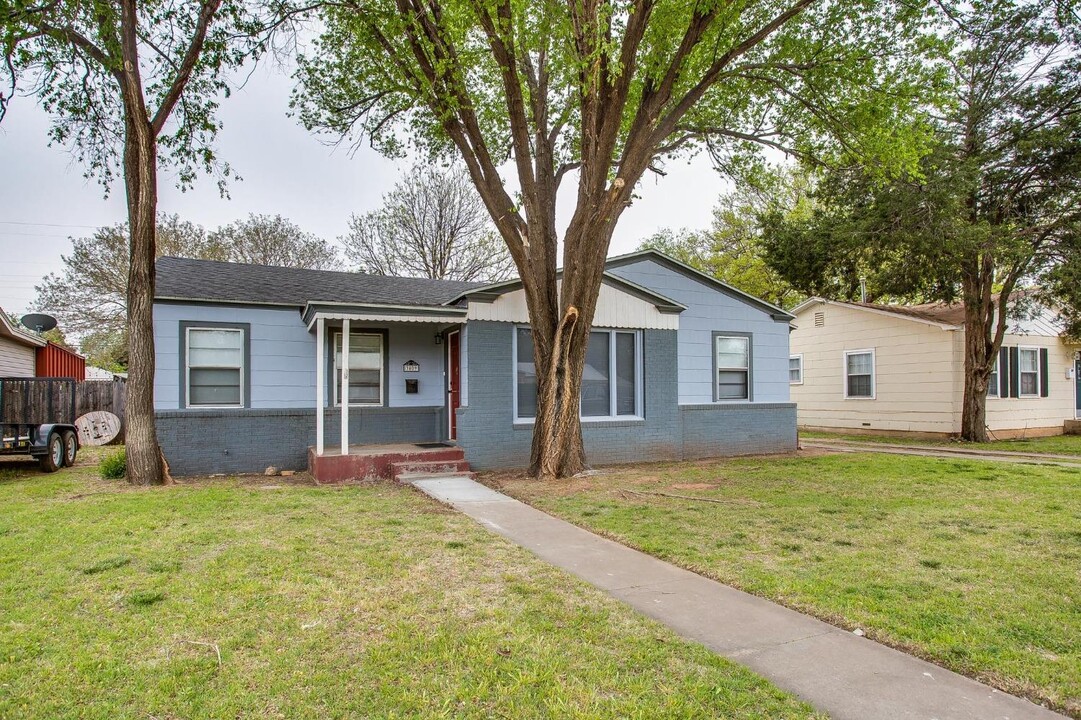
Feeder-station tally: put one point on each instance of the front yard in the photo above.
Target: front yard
(974, 565)
(260, 597)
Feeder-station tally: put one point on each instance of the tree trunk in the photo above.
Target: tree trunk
(980, 348)
(145, 464)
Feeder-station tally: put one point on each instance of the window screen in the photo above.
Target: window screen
(733, 367)
(215, 367)
(859, 370)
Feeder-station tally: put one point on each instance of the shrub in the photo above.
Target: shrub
(114, 466)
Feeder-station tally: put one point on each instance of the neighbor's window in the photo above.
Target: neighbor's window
(993, 380)
(215, 367)
(1029, 362)
(732, 361)
(860, 374)
(365, 368)
(795, 370)
(610, 378)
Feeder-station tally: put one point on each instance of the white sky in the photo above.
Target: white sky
(44, 199)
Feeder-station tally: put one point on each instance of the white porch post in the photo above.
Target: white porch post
(320, 382)
(345, 387)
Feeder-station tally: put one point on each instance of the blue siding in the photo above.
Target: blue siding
(491, 439)
(283, 356)
(709, 310)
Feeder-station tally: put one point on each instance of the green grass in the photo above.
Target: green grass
(358, 601)
(976, 565)
(1054, 445)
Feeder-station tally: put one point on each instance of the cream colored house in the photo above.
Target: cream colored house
(899, 369)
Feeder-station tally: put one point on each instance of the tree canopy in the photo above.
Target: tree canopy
(994, 205)
(432, 224)
(604, 91)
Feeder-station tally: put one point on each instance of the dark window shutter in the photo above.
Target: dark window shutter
(1003, 372)
(1045, 381)
(1015, 373)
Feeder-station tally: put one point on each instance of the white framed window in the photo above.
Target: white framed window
(366, 376)
(731, 367)
(993, 380)
(795, 369)
(214, 367)
(611, 378)
(1028, 361)
(859, 373)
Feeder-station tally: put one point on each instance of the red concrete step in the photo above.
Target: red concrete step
(378, 461)
(428, 467)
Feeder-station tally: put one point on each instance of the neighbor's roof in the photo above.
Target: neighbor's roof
(951, 316)
(9, 330)
(224, 282)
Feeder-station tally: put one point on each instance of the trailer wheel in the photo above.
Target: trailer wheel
(71, 448)
(53, 460)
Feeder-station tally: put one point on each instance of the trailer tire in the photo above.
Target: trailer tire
(71, 448)
(53, 459)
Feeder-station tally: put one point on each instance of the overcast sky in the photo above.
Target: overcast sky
(44, 199)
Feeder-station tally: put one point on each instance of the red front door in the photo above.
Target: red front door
(454, 383)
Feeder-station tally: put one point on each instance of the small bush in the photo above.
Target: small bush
(114, 466)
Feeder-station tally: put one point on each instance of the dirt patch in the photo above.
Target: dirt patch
(694, 486)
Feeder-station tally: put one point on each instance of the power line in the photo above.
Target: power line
(18, 222)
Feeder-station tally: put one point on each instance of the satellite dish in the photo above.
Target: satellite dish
(38, 322)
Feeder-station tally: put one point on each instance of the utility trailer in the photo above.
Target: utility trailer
(37, 418)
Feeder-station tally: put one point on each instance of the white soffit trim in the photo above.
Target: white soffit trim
(375, 317)
(615, 309)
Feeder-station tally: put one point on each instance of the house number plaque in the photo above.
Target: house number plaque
(411, 366)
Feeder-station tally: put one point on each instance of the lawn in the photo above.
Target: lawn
(975, 565)
(1054, 445)
(261, 597)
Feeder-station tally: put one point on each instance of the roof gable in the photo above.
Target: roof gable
(709, 281)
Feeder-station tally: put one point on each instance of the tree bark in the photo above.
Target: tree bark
(145, 463)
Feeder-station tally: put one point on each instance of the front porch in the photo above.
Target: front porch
(389, 408)
(386, 462)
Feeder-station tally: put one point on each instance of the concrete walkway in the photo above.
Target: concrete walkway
(1070, 461)
(847, 676)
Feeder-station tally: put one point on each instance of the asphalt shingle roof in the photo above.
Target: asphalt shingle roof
(186, 279)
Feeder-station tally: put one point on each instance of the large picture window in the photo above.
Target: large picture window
(732, 367)
(365, 368)
(860, 374)
(611, 378)
(214, 367)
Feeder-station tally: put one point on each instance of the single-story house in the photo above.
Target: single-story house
(250, 370)
(18, 349)
(888, 368)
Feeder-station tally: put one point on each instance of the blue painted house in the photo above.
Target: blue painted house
(251, 366)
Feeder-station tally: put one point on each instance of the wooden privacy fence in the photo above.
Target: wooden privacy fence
(34, 401)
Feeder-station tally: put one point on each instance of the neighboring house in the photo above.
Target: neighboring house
(18, 349)
(884, 368)
(96, 373)
(679, 365)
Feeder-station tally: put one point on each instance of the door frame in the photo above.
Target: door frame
(452, 429)
(1077, 386)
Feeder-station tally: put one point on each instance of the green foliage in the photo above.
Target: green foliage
(114, 466)
(997, 201)
(731, 250)
(68, 54)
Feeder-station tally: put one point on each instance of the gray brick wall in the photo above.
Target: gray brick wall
(491, 439)
(202, 442)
